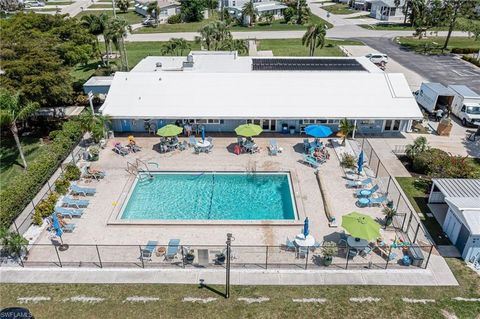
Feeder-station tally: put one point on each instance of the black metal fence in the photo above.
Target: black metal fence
(249, 257)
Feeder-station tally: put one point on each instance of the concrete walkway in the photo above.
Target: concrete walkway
(397, 277)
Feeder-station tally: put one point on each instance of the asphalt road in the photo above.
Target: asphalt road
(446, 69)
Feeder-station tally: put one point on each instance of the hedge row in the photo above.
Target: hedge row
(471, 60)
(464, 50)
(23, 188)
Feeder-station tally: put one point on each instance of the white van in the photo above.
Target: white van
(466, 105)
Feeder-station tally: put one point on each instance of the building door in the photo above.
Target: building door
(391, 126)
(126, 126)
(452, 227)
(267, 125)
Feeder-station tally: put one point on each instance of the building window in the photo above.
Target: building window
(367, 122)
(318, 121)
(205, 121)
(333, 121)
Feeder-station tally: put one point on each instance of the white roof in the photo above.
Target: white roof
(464, 91)
(269, 5)
(255, 94)
(458, 187)
(99, 81)
(467, 209)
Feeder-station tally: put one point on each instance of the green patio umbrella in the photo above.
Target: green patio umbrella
(248, 130)
(361, 226)
(169, 130)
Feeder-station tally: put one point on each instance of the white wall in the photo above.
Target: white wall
(472, 248)
(451, 226)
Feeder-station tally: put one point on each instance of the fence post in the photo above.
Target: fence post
(398, 201)
(403, 223)
(58, 255)
(378, 167)
(306, 258)
(49, 187)
(416, 233)
(99, 259)
(141, 256)
(348, 254)
(266, 258)
(370, 157)
(388, 184)
(429, 254)
(388, 257)
(183, 257)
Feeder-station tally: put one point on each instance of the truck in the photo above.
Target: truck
(466, 105)
(434, 96)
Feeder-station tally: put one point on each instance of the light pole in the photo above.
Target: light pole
(227, 279)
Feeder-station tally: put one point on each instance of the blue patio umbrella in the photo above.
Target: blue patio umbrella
(306, 227)
(318, 131)
(203, 133)
(56, 226)
(360, 162)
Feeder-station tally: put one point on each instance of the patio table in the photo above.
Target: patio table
(363, 202)
(203, 144)
(356, 243)
(301, 240)
(365, 192)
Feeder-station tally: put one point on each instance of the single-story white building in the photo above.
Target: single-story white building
(167, 8)
(221, 90)
(262, 7)
(460, 219)
(384, 9)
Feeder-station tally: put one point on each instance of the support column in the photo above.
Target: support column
(354, 129)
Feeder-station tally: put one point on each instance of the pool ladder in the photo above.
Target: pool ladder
(135, 169)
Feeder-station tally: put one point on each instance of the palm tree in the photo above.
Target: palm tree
(96, 25)
(175, 46)
(314, 37)
(420, 144)
(11, 111)
(123, 5)
(345, 127)
(116, 32)
(248, 10)
(213, 34)
(241, 46)
(95, 124)
(153, 9)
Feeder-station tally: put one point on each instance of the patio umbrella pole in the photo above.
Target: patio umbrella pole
(227, 268)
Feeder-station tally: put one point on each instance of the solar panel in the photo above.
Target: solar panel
(291, 64)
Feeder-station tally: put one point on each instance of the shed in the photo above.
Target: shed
(457, 205)
(98, 84)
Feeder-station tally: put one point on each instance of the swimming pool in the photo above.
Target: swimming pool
(211, 196)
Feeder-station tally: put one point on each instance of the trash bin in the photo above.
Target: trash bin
(292, 130)
(416, 255)
(284, 128)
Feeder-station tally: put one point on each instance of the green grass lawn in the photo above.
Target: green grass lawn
(280, 305)
(278, 25)
(455, 42)
(59, 3)
(339, 8)
(130, 16)
(363, 16)
(10, 161)
(105, 5)
(294, 47)
(417, 192)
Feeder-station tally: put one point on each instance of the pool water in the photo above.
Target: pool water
(211, 196)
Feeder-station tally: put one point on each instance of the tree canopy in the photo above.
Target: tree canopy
(192, 10)
(37, 52)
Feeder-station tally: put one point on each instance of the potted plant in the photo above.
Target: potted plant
(389, 213)
(93, 151)
(190, 256)
(329, 249)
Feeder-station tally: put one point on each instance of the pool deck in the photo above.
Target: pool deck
(95, 227)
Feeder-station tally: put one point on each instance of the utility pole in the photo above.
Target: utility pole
(227, 279)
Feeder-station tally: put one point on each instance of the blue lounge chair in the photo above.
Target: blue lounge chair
(149, 249)
(172, 249)
(120, 150)
(96, 175)
(82, 190)
(66, 212)
(306, 145)
(273, 147)
(367, 192)
(355, 184)
(290, 245)
(377, 201)
(192, 141)
(307, 159)
(72, 202)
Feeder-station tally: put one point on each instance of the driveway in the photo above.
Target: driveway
(444, 69)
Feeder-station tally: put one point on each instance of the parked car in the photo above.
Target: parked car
(377, 58)
(33, 3)
(150, 21)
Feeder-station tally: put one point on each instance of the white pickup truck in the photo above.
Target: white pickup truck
(466, 105)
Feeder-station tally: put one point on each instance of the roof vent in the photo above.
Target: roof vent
(158, 64)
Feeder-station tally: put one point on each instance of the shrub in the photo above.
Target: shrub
(61, 185)
(26, 185)
(464, 50)
(176, 18)
(72, 172)
(471, 60)
(45, 207)
(348, 161)
(452, 167)
(422, 161)
(419, 145)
